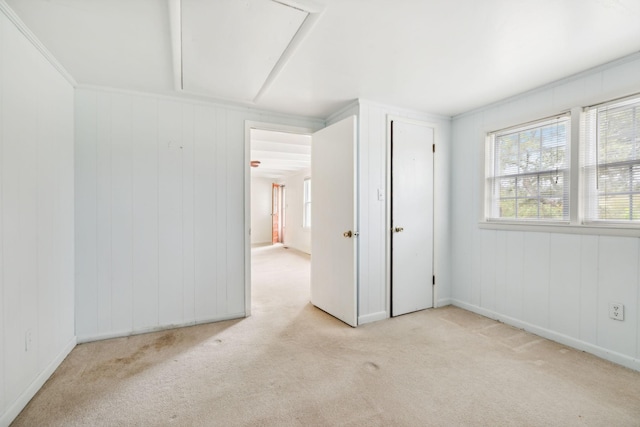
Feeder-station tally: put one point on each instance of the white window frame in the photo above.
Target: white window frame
(490, 158)
(590, 162)
(577, 224)
(306, 203)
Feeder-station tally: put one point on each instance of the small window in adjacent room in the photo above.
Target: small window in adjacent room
(527, 172)
(611, 162)
(306, 216)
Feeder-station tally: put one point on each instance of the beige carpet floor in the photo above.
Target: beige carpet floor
(291, 364)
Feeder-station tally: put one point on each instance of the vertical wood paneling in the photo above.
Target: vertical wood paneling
(188, 171)
(535, 290)
(514, 273)
(500, 266)
(163, 207)
(205, 215)
(364, 251)
(63, 128)
(617, 282)
(564, 284)
(376, 178)
(86, 184)
(3, 405)
(488, 269)
(221, 210)
(145, 213)
(48, 156)
(36, 217)
(103, 213)
(235, 213)
(588, 289)
(122, 213)
(170, 210)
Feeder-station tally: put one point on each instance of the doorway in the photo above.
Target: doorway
(412, 281)
(278, 160)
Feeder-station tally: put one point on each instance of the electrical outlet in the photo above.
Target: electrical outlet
(27, 340)
(616, 311)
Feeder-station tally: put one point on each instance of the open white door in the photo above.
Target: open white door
(333, 220)
(411, 216)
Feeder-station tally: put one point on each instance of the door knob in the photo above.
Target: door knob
(347, 234)
(399, 229)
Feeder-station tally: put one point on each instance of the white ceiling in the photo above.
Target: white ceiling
(280, 154)
(438, 56)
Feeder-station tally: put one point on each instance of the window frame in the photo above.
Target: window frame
(590, 162)
(490, 159)
(577, 222)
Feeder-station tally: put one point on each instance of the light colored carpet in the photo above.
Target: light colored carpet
(291, 364)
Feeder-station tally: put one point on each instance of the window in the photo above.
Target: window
(306, 216)
(611, 161)
(527, 172)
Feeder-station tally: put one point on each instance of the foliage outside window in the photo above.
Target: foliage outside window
(306, 216)
(611, 161)
(528, 172)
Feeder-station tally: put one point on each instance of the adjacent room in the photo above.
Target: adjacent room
(319, 212)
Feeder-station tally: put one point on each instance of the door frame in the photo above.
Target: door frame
(388, 202)
(274, 127)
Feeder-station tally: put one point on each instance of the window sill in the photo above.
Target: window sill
(621, 230)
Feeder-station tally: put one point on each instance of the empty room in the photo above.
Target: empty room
(319, 212)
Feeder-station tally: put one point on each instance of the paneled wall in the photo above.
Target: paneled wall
(558, 285)
(295, 235)
(372, 176)
(36, 219)
(261, 221)
(159, 211)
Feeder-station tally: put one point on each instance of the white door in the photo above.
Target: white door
(333, 220)
(411, 216)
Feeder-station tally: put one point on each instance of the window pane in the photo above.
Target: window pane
(552, 185)
(530, 163)
(507, 187)
(530, 151)
(551, 208)
(507, 208)
(528, 208)
(614, 180)
(614, 207)
(528, 186)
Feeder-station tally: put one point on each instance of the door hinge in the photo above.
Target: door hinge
(433, 281)
(434, 147)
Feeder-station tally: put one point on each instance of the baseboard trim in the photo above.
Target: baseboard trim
(126, 333)
(604, 353)
(25, 397)
(443, 302)
(373, 317)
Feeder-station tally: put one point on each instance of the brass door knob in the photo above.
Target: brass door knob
(399, 229)
(347, 234)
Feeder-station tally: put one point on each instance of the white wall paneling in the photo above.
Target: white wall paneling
(553, 283)
(36, 218)
(160, 208)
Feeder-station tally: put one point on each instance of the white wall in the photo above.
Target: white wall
(372, 175)
(261, 221)
(557, 285)
(160, 220)
(295, 235)
(36, 218)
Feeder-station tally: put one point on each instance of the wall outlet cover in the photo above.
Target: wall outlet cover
(616, 311)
